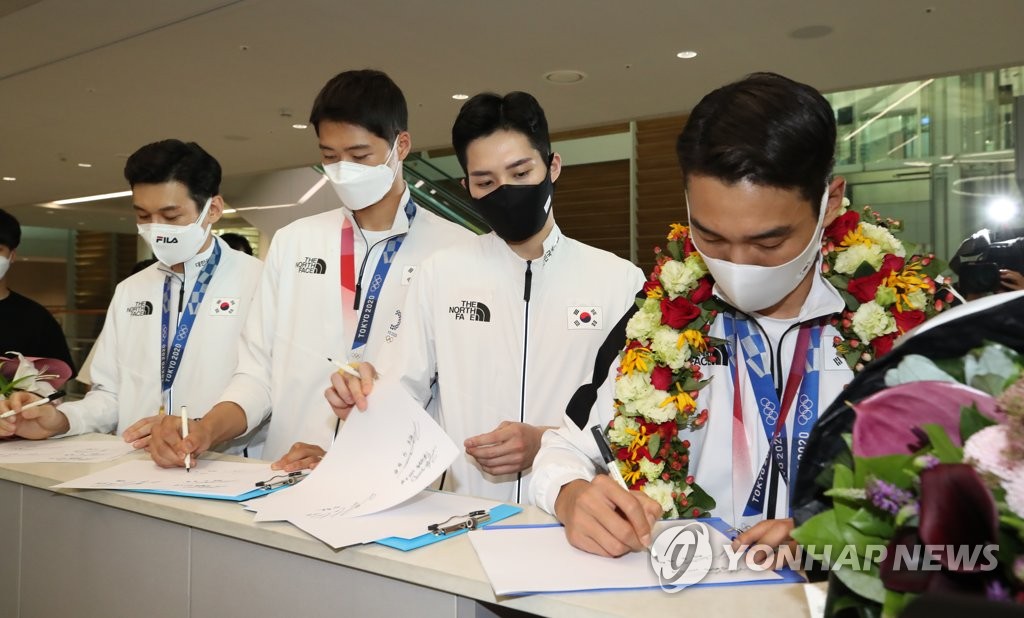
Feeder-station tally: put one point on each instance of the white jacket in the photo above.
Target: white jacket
(126, 366)
(571, 453)
(297, 321)
(466, 323)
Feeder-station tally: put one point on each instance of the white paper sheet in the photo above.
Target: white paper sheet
(526, 560)
(207, 478)
(381, 458)
(407, 520)
(62, 451)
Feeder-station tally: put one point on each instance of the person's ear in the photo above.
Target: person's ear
(404, 145)
(836, 193)
(216, 210)
(556, 166)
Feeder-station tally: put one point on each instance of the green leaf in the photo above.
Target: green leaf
(819, 531)
(942, 445)
(972, 421)
(653, 444)
(843, 479)
(890, 468)
(863, 583)
(675, 250)
(867, 523)
(895, 602)
(952, 366)
(864, 270)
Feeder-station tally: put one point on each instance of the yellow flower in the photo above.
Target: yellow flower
(677, 231)
(656, 293)
(630, 472)
(640, 438)
(904, 283)
(695, 339)
(636, 359)
(854, 237)
(682, 399)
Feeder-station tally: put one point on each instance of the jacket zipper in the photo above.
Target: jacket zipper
(527, 285)
(362, 267)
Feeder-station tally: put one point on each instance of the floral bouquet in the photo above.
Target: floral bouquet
(888, 288)
(931, 496)
(656, 393)
(37, 375)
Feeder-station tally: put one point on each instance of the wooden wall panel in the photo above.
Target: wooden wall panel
(592, 205)
(660, 198)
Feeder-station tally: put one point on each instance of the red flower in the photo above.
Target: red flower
(864, 288)
(883, 344)
(906, 320)
(839, 228)
(892, 264)
(702, 293)
(651, 285)
(679, 312)
(661, 378)
(688, 246)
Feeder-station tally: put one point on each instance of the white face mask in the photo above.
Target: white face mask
(751, 288)
(5, 265)
(175, 244)
(360, 185)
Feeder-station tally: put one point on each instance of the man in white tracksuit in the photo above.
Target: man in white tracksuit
(197, 295)
(333, 285)
(757, 157)
(507, 323)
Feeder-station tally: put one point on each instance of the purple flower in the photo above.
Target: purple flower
(996, 591)
(887, 497)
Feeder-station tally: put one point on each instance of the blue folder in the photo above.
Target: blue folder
(498, 513)
(249, 495)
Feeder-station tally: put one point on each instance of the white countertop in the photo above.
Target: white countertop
(451, 566)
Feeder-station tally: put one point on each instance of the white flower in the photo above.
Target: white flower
(28, 377)
(665, 344)
(1015, 493)
(985, 450)
(871, 321)
(917, 299)
(617, 434)
(643, 322)
(850, 260)
(679, 278)
(661, 492)
(883, 238)
(633, 386)
(650, 469)
(845, 205)
(651, 409)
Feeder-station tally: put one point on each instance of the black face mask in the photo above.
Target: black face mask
(516, 212)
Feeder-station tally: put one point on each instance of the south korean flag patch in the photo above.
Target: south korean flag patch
(224, 306)
(585, 318)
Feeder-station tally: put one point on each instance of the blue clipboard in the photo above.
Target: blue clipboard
(786, 575)
(249, 495)
(498, 513)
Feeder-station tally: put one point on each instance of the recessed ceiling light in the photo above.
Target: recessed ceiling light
(811, 32)
(85, 165)
(565, 76)
(300, 126)
(230, 211)
(9, 178)
(686, 55)
(93, 198)
(460, 97)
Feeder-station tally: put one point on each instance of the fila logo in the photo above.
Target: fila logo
(141, 308)
(311, 265)
(471, 310)
(166, 240)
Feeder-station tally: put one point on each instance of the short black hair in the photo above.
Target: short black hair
(237, 242)
(10, 230)
(487, 112)
(173, 160)
(367, 98)
(766, 129)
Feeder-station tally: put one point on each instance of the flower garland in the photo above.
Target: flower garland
(658, 383)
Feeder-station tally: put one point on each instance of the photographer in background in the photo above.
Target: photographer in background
(990, 262)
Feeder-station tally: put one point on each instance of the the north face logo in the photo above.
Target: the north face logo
(140, 308)
(471, 310)
(718, 355)
(311, 265)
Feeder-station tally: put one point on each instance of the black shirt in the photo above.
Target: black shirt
(28, 328)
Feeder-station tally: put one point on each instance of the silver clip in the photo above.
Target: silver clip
(471, 521)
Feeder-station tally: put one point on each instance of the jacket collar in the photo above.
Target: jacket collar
(398, 227)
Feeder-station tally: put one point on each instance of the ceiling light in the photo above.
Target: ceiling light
(565, 76)
(686, 55)
(1001, 210)
(93, 198)
(300, 126)
(9, 178)
(230, 211)
(419, 183)
(85, 165)
(888, 109)
(460, 97)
